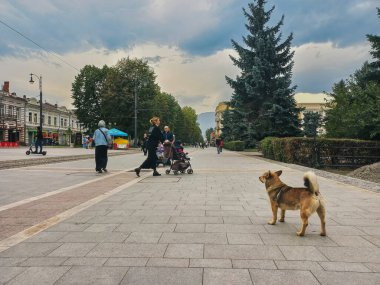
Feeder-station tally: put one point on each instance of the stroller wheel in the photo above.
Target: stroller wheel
(27, 152)
(167, 171)
(190, 171)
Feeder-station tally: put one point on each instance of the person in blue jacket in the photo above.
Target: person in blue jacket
(102, 139)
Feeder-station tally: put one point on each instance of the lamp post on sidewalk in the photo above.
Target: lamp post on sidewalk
(31, 81)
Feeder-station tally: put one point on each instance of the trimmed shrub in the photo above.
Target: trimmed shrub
(234, 145)
(321, 152)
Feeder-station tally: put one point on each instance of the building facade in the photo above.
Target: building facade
(20, 117)
(12, 122)
(222, 106)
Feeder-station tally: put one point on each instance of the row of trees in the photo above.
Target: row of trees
(108, 93)
(354, 108)
(263, 103)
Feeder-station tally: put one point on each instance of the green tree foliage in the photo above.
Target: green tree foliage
(354, 108)
(208, 133)
(374, 72)
(263, 99)
(191, 130)
(108, 93)
(311, 123)
(87, 93)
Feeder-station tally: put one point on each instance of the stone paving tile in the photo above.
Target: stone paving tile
(298, 265)
(30, 249)
(237, 220)
(156, 220)
(149, 228)
(353, 254)
(337, 230)
(284, 277)
(126, 261)
(115, 220)
(193, 213)
(168, 262)
(43, 261)
(213, 276)
(344, 278)
(203, 238)
(128, 250)
(190, 228)
(250, 263)
(120, 213)
(344, 266)
(73, 249)
(229, 213)
(375, 267)
(242, 252)
(231, 228)
(354, 241)
(46, 237)
(244, 238)
(163, 276)
(84, 237)
(66, 227)
(373, 239)
(40, 275)
(11, 261)
(137, 237)
(282, 228)
(370, 230)
(302, 253)
(211, 263)
(85, 261)
(157, 213)
(97, 228)
(196, 220)
(93, 275)
(292, 239)
(184, 251)
(7, 273)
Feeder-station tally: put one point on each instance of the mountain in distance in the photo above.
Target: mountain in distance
(206, 120)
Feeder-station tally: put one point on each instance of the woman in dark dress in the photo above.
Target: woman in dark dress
(155, 136)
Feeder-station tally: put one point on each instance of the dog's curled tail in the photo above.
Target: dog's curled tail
(310, 180)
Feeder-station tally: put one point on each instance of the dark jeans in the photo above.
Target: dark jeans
(38, 144)
(151, 161)
(101, 158)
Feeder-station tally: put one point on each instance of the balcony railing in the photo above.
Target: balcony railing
(8, 117)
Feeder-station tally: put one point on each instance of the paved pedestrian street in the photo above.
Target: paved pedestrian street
(206, 228)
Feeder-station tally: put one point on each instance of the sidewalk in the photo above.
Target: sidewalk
(206, 228)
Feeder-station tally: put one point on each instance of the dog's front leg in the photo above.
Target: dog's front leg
(274, 212)
(282, 219)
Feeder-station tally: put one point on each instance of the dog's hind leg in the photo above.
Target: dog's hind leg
(274, 213)
(282, 219)
(305, 222)
(321, 211)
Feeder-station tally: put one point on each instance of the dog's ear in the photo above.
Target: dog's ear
(269, 174)
(278, 172)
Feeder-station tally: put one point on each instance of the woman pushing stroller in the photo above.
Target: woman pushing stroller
(155, 137)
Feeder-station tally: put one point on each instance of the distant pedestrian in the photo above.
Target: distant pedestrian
(39, 139)
(221, 145)
(144, 145)
(84, 142)
(102, 139)
(155, 137)
(217, 144)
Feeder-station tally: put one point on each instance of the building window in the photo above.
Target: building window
(35, 118)
(18, 113)
(43, 119)
(65, 122)
(61, 122)
(49, 120)
(2, 110)
(30, 116)
(55, 121)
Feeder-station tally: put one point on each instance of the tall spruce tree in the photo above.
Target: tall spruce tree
(263, 99)
(374, 73)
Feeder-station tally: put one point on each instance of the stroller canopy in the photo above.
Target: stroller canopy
(117, 133)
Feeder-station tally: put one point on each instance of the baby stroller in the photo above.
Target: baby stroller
(180, 160)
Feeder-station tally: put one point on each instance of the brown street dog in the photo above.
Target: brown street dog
(308, 200)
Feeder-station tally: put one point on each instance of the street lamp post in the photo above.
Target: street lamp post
(136, 138)
(31, 81)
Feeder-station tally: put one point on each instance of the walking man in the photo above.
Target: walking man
(102, 138)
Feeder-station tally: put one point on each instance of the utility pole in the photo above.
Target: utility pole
(136, 137)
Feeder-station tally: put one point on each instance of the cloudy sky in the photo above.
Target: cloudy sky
(187, 42)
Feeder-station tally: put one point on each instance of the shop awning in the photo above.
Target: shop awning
(117, 133)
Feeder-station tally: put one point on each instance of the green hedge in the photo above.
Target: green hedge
(321, 152)
(234, 145)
